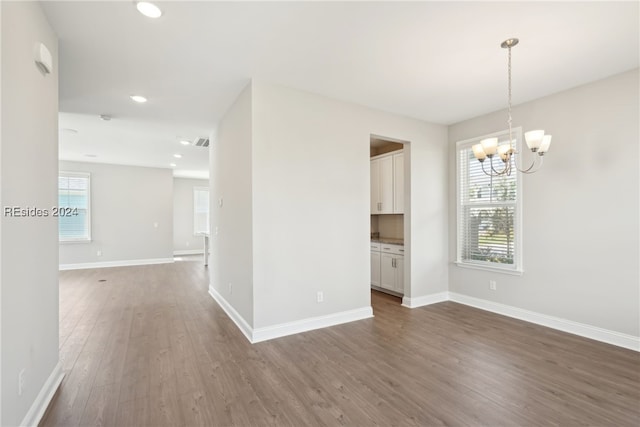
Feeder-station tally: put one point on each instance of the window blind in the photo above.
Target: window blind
(74, 204)
(487, 212)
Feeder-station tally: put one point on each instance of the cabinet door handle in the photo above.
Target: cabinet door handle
(393, 262)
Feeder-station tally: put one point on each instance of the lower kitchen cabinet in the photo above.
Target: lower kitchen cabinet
(375, 268)
(387, 267)
(392, 272)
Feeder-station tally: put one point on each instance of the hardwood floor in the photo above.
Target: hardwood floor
(149, 347)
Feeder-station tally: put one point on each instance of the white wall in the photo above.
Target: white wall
(184, 241)
(230, 172)
(581, 257)
(126, 202)
(309, 168)
(28, 177)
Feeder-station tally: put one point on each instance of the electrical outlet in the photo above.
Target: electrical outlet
(230, 288)
(99, 253)
(22, 381)
(220, 201)
(492, 285)
(320, 296)
(216, 231)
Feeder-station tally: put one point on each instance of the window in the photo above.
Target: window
(200, 210)
(74, 202)
(489, 225)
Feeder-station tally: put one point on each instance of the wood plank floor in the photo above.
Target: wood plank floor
(148, 347)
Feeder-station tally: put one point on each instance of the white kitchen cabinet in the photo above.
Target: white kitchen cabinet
(375, 186)
(382, 185)
(387, 184)
(399, 270)
(375, 268)
(398, 183)
(387, 271)
(387, 267)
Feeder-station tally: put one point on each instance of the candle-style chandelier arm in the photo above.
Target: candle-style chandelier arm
(532, 167)
(505, 171)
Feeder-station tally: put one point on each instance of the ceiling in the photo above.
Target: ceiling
(436, 61)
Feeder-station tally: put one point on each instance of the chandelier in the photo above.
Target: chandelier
(536, 140)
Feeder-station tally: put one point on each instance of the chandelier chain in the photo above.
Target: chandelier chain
(509, 79)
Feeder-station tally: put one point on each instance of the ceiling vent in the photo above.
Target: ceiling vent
(201, 142)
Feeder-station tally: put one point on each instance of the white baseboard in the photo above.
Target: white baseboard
(309, 324)
(232, 313)
(288, 328)
(39, 406)
(123, 263)
(189, 252)
(425, 300)
(599, 334)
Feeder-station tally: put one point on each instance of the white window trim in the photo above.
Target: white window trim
(518, 267)
(88, 238)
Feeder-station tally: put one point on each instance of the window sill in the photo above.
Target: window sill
(73, 242)
(489, 268)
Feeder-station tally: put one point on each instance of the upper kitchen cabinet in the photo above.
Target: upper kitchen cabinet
(398, 183)
(387, 184)
(382, 185)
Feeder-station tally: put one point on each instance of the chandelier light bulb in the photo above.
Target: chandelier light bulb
(478, 152)
(504, 151)
(534, 139)
(490, 146)
(544, 146)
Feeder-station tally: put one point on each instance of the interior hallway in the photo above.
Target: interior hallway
(148, 346)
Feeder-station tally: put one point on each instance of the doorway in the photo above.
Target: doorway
(389, 201)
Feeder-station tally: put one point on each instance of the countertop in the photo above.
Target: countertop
(387, 240)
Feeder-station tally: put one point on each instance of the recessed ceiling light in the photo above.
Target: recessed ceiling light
(105, 117)
(173, 165)
(185, 142)
(149, 10)
(177, 156)
(138, 98)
